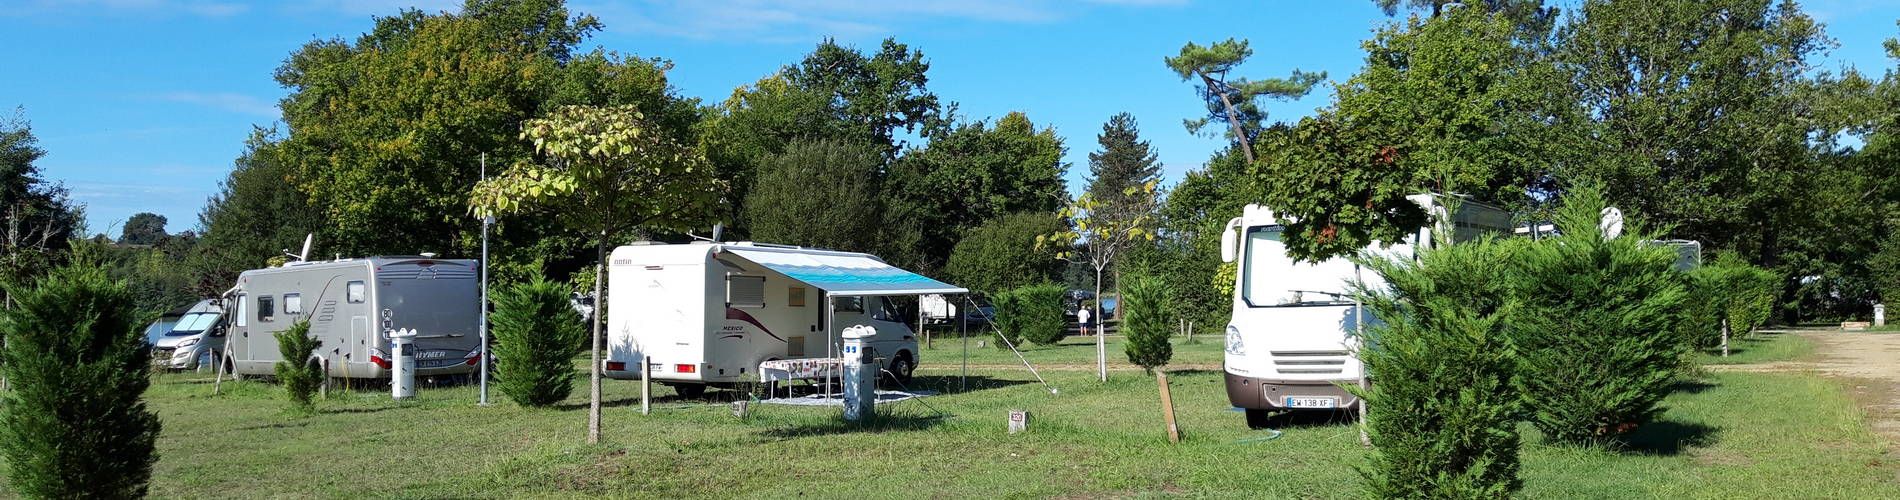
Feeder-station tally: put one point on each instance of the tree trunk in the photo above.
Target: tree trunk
(593, 366)
(1101, 329)
(1233, 118)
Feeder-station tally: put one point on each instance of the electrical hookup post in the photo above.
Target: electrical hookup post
(860, 374)
(402, 380)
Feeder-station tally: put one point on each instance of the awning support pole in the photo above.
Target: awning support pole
(963, 324)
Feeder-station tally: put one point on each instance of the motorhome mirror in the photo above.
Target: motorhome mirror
(1229, 237)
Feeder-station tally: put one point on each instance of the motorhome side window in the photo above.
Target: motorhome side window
(266, 307)
(885, 310)
(293, 303)
(243, 317)
(745, 291)
(354, 292)
(849, 304)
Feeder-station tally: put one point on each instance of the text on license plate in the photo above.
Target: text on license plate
(432, 354)
(1311, 402)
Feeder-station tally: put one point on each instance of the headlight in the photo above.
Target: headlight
(1234, 344)
(187, 343)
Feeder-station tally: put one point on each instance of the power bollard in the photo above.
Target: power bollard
(860, 373)
(402, 381)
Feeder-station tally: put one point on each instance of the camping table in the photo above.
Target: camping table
(800, 369)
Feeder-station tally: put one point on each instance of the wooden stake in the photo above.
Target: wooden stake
(324, 390)
(646, 385)
(217, 384)
(1724, 337)
(1167, 408)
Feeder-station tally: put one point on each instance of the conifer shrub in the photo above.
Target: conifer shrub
(1441, 412)
(1598, 331)
(1145, 327)
(536, 337)
(298, 370)
(74, 424)
(1032, 313)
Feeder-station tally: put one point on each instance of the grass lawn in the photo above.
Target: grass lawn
(1759, 348)
(1727, 435)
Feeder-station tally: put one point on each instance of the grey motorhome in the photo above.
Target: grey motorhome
(352, 305)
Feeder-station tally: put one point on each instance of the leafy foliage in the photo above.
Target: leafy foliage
(1144, 323)
(970, 175)
(39, 218)
(74, 424)
(1728, 293)
(1597, 335)
(1001, 254)
(1442, 415)
(1032, 313)
(298, 368)
(536, 338)
(144, 228)
(818, 194)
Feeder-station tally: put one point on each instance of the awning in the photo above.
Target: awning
(841, 273)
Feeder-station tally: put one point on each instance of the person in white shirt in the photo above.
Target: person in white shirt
(1082, 317)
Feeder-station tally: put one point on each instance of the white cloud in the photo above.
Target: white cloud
(766, 20)
(236, 103)
(207, 8)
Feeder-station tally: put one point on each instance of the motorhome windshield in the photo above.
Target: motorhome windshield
(1271, 278)
(193, 324)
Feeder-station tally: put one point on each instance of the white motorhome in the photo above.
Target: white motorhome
(352, 305)
(196, 334)
(706, 314)
(1294, 326)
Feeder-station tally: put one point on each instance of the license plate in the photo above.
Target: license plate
(1311, 402)
(432, 354)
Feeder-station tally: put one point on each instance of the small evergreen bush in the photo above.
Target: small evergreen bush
(1598, 335)
(1728, 289)
(74, 424)
(1145, 327)
(1441, 413)
(1032, 313)
(298, 370)
(536, 338)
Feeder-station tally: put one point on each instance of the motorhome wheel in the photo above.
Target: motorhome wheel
(902, 367)
(1259, 419)
(690, 391)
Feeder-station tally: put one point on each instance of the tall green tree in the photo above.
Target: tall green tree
(821, 193)
(1234, 100)
(253, 216)
(37, 218)
(965, 177)
(75, 424)
(1001, 254)
(605, 170)
(144, 228)
(1124, 162)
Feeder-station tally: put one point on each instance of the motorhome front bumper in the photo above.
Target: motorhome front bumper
(1272, 394)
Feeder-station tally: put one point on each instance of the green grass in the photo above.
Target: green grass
(1759, 348)
(1074, 351)
(1728, 435)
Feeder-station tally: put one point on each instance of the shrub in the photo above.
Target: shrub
(1442, 414)
(1145, 327)
(298, 370)
(1730, 291)
(1001, 254)
(74, 425)
(536, 336)
(1032, 313)
(1598, 333)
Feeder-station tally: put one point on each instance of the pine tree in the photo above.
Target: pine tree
(74, 425)
(1144, 324)
(537, 336)
(1124, 162)
(300, 379)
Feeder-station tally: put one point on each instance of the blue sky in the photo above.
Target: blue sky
(142, 104)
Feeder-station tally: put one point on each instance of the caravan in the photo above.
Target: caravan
(1295, 325)
(352, 305)
(707, 313)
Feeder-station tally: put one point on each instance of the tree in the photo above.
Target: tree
(1001, 254)
(1597, 332)
(607, 170)
(1727, 295)
(1124, 162)
(1454, 105)
(1234, 100)
(537, 334)
(965, 177)
(37, 219)
(298, 369)
(75, 424)
(821, 193)
(144, 228)
(253, 216)
(1104, 237)
(1442, 414)
(1145, 326)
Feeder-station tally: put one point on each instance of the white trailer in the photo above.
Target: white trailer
(1293, 332)
(706, 314)
(352, 305)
